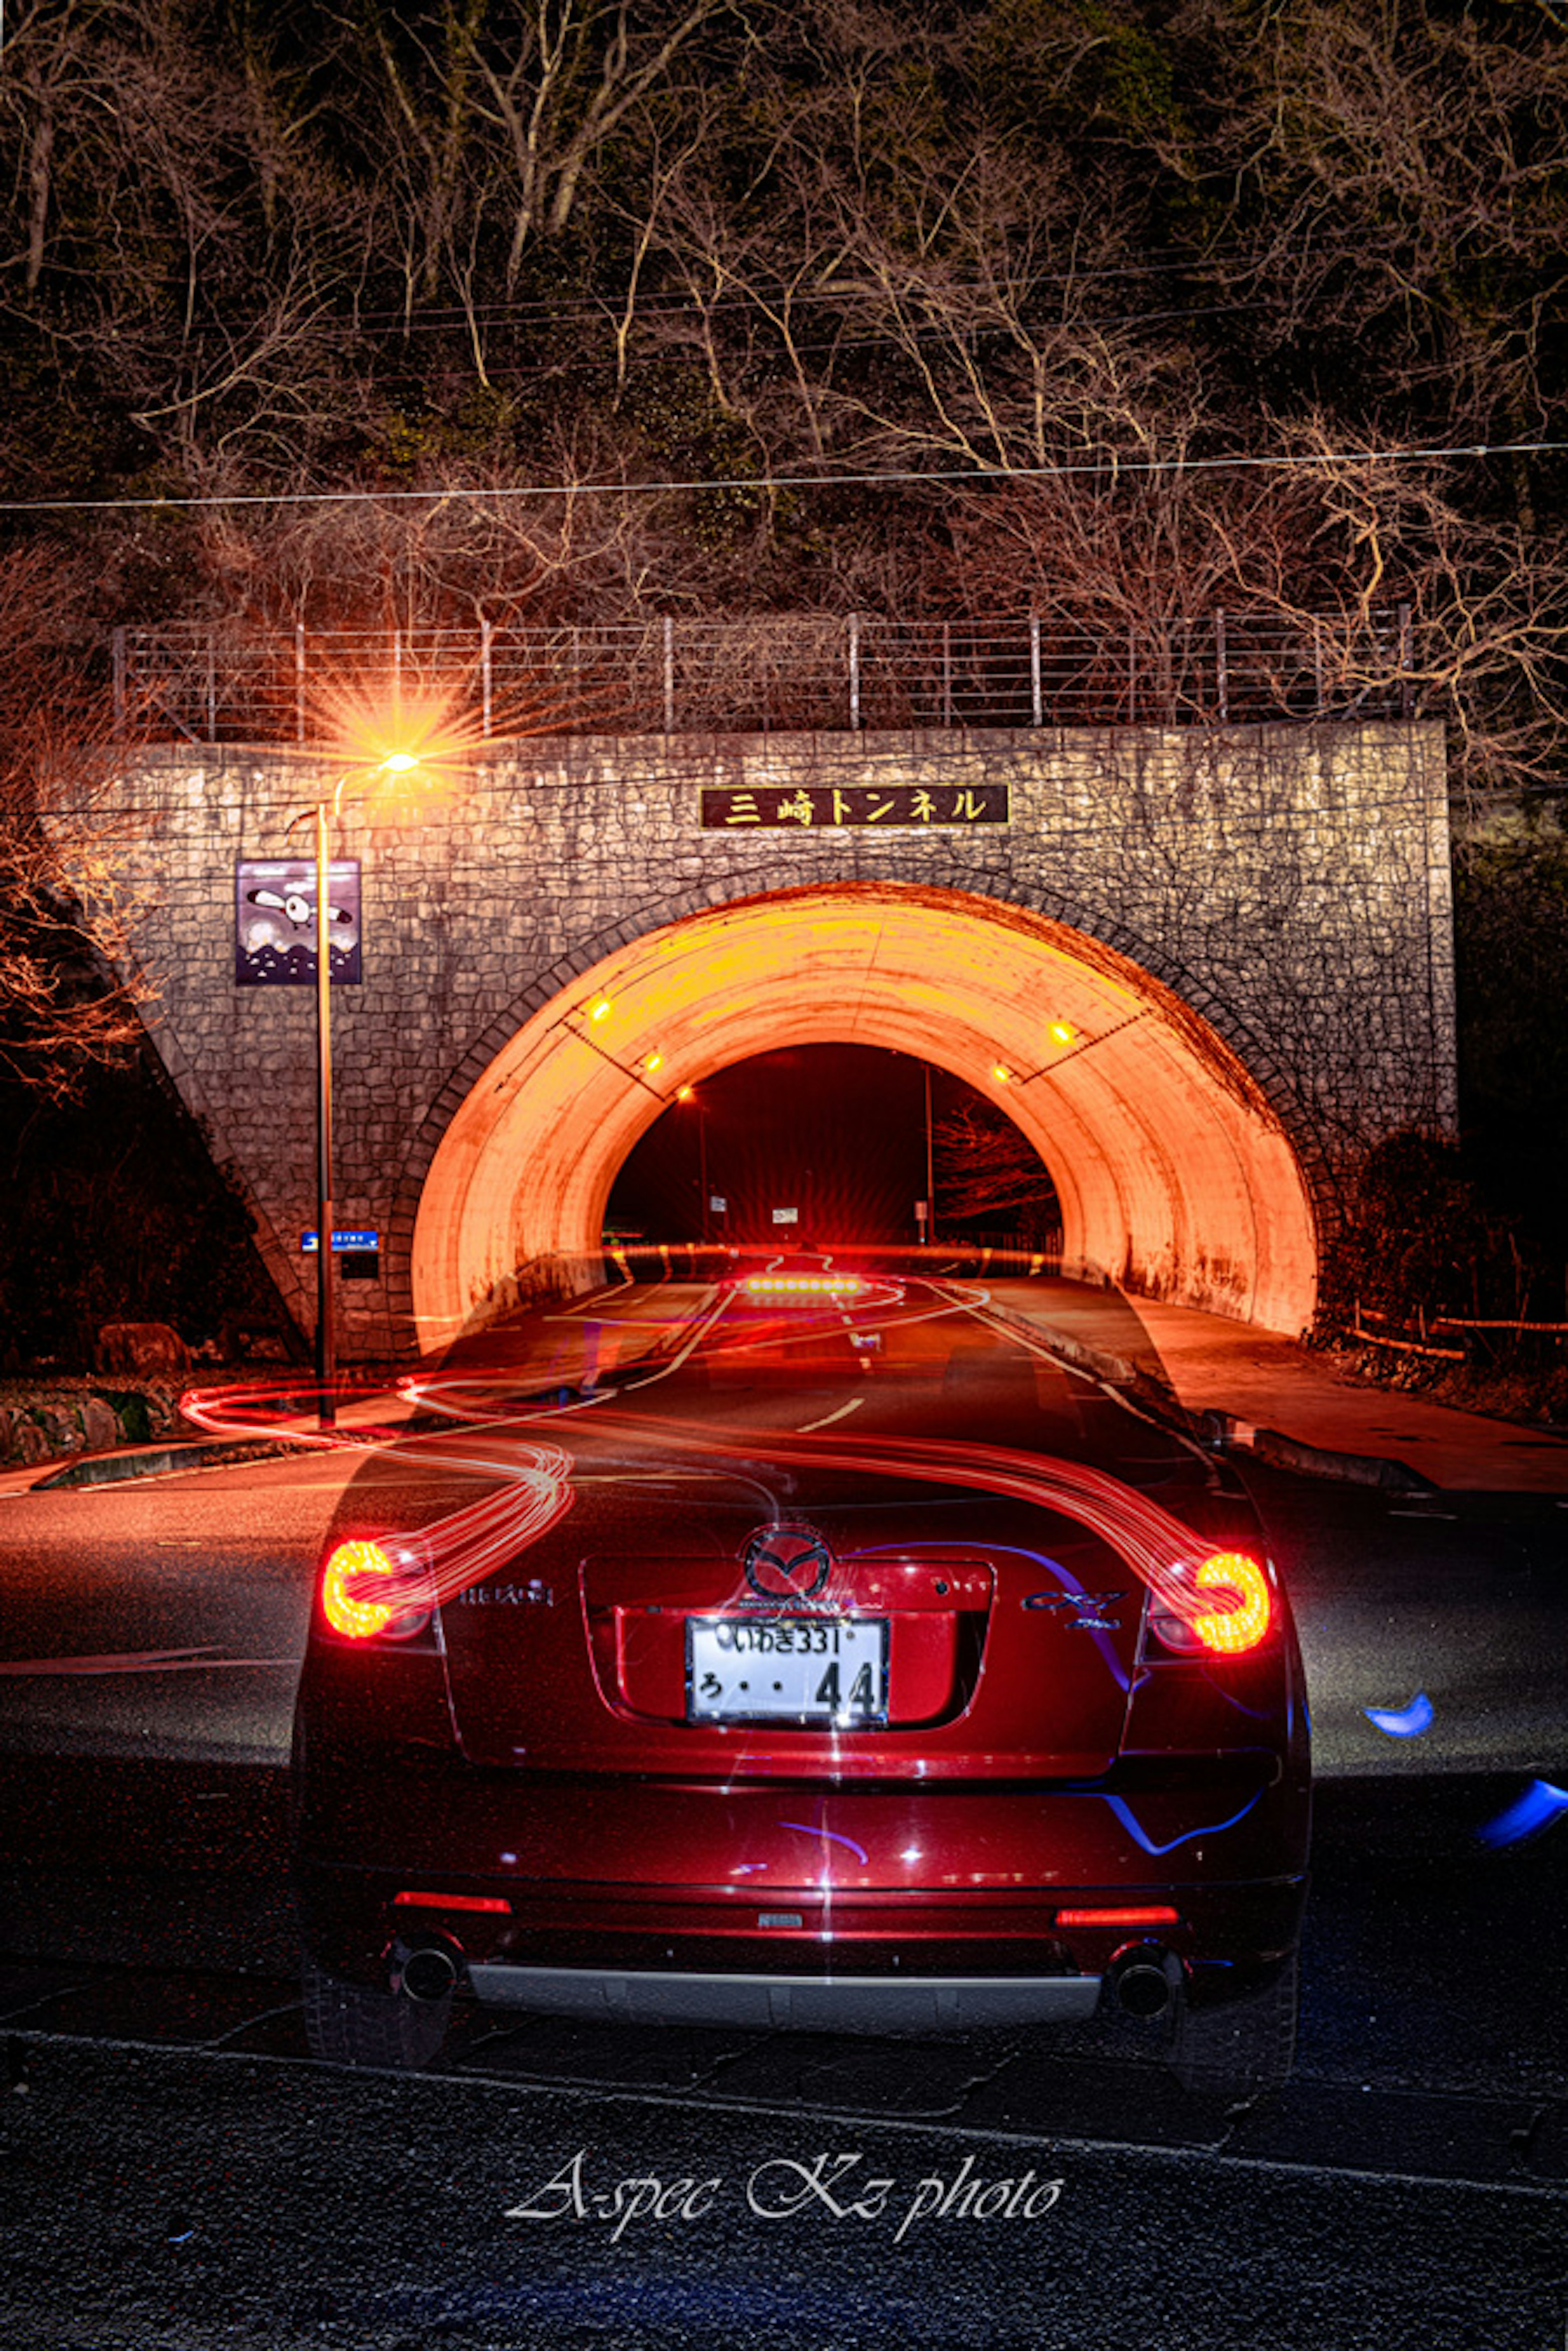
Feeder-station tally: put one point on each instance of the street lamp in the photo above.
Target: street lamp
(396, 763)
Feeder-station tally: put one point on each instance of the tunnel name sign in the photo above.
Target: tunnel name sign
(815, 807)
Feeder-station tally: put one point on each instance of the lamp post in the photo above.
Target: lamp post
(690, 1095)
(396, 763)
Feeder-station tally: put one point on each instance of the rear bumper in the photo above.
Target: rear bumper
(840, 2004)
(1152, 1819)
(773, 1903)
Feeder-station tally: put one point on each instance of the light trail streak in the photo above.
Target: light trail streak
(435, 1563)
(138, 1661)
(833, 1836)
(1526, 1816)
(1158, 1548)
(1401, 1722)
(431, 1563)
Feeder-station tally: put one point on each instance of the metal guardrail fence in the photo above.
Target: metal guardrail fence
(235, 684)
(1484, 1338)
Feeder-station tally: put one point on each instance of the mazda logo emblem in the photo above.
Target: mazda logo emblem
(786, 1562)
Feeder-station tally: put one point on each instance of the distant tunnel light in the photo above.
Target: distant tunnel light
(829, 1285)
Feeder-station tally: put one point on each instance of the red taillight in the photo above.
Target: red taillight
(416, 1901)
(351, 1602)
(1226, 1632)
(1158, 1915)
(1243, 1625)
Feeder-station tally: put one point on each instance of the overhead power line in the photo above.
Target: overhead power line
(1110, 469)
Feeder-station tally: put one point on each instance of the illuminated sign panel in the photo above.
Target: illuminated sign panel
(929, 806)
(275, 922)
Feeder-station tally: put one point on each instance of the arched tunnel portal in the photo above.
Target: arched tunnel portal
(1175, 1175)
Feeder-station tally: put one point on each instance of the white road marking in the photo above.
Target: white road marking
(854, 1404)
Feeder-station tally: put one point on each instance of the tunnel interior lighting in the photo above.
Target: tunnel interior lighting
(826, 1285)
(600, 1011)
(1165, 1158)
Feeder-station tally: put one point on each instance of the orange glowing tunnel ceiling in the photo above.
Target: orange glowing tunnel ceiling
(1173, 1173)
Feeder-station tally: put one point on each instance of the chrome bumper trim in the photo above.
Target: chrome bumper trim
(803, 2003)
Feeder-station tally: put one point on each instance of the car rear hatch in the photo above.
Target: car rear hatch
(796, 1623)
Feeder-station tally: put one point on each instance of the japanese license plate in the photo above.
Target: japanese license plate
(827, 1670)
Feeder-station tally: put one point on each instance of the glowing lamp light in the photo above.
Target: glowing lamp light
(399, 763)
(417, 1899)
(1243, 1625)
(683, 1093)
(836, 1285)
(1062, 1032)
(599, 1011)
(655, 1062)
(1000, 1072)
(349, 1597)
(1153, 1914)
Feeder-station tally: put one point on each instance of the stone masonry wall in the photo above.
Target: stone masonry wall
(1291, 884)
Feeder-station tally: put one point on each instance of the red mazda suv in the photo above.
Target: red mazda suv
(878, 1664)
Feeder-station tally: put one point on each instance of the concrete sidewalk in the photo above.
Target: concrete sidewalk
(1269, 1384)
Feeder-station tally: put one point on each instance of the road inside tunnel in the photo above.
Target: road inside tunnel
(844, 1140)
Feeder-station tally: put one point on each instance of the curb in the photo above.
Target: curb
(1282, 1452)
(158, 1461)
(1221, 1431)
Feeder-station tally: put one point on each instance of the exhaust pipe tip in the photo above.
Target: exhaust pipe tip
(429, 1973)
(1141, 1983)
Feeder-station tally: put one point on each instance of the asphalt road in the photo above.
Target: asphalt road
(180, 2175)
(167, 1617)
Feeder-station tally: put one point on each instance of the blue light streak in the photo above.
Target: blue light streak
(1123, 1812)
(1401, 1722)
(1527, 1816)
(807, 1829)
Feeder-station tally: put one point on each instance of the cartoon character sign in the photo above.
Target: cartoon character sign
(275, 923)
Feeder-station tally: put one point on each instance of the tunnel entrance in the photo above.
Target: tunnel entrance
(845, 1145)
(1173, 1173)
